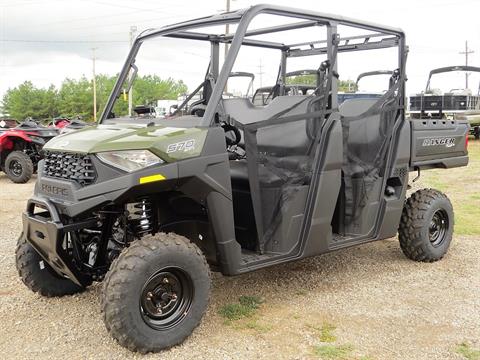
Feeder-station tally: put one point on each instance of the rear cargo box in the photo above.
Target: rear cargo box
(439, 143)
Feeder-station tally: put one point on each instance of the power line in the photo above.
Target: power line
(64, 41)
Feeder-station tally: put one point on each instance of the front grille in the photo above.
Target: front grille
(65, 166)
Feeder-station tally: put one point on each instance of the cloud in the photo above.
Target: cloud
(62, 33)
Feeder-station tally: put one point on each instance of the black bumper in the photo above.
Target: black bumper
(46, 233)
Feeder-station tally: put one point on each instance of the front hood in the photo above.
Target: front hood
(169, 143)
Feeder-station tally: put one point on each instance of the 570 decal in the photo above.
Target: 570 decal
(185, 146)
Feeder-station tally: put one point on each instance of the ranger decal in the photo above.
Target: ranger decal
(448, 142)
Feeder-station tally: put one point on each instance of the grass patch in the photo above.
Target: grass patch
(333, 351)
(325, 332)
(468, 352)
(462, 186)
(246, 307)
(466, 218)
(254, 325)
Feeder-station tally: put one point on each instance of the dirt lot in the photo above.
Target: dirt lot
(367, 302)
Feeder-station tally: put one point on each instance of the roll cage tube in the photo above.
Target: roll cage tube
(450, 69)
(244, 18)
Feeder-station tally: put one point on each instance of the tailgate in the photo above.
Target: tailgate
(439, 143)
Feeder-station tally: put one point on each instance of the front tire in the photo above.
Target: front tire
(156, 293)
(426, 226)
(18, 167)
(38, 276)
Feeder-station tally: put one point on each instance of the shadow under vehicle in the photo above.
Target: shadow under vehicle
(151, 206)
(454, 104)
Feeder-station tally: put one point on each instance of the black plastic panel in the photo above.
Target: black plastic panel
(439, 143)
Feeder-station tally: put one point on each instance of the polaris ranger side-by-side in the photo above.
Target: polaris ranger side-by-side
(149, 206)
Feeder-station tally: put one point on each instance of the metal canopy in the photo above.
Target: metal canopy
(450, 69)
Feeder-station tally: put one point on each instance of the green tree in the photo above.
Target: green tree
(343, 85)
(75, 97)
(28, 101)
(147, 90)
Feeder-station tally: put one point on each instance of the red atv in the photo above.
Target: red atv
(20, 149)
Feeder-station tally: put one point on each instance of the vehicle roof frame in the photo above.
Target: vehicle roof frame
(243, 19)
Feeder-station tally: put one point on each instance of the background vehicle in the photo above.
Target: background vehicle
(365, 94)
(457, 103)
(264, 95)
(149, 206)
(198, 107)
(73, 125)
(20, 149)
(7, 124)
(59, 122)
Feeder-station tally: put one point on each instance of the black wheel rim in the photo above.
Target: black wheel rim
(166, 298)
(15, 168)
(438, 228)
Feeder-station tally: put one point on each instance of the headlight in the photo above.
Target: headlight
(129, 160)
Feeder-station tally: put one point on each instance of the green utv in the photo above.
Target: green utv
(149, 206)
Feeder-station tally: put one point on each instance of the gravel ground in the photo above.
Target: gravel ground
(382, 305)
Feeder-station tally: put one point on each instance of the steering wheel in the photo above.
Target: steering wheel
(232, 134)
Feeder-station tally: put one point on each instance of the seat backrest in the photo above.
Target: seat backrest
(291, 138)
(365, 135)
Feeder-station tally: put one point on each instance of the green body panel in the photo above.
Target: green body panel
(169, 143)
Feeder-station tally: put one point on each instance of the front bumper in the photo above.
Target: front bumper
(47, 234)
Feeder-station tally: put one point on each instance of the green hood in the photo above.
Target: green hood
(165, 142)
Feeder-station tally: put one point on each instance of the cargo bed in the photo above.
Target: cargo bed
(439, 143)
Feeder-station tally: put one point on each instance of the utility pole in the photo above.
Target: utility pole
(227, 29)
(260, 72)
(466, 53)
(94, 86)
(133, 30)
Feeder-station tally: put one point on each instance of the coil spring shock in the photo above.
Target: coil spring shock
(141, 216)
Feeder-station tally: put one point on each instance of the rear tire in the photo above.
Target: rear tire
(156, 293)
(38, 276)
(18, 167)
(426, 226)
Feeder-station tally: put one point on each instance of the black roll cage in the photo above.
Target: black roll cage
(382, 37)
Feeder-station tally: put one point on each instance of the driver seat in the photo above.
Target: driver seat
(284, 146)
